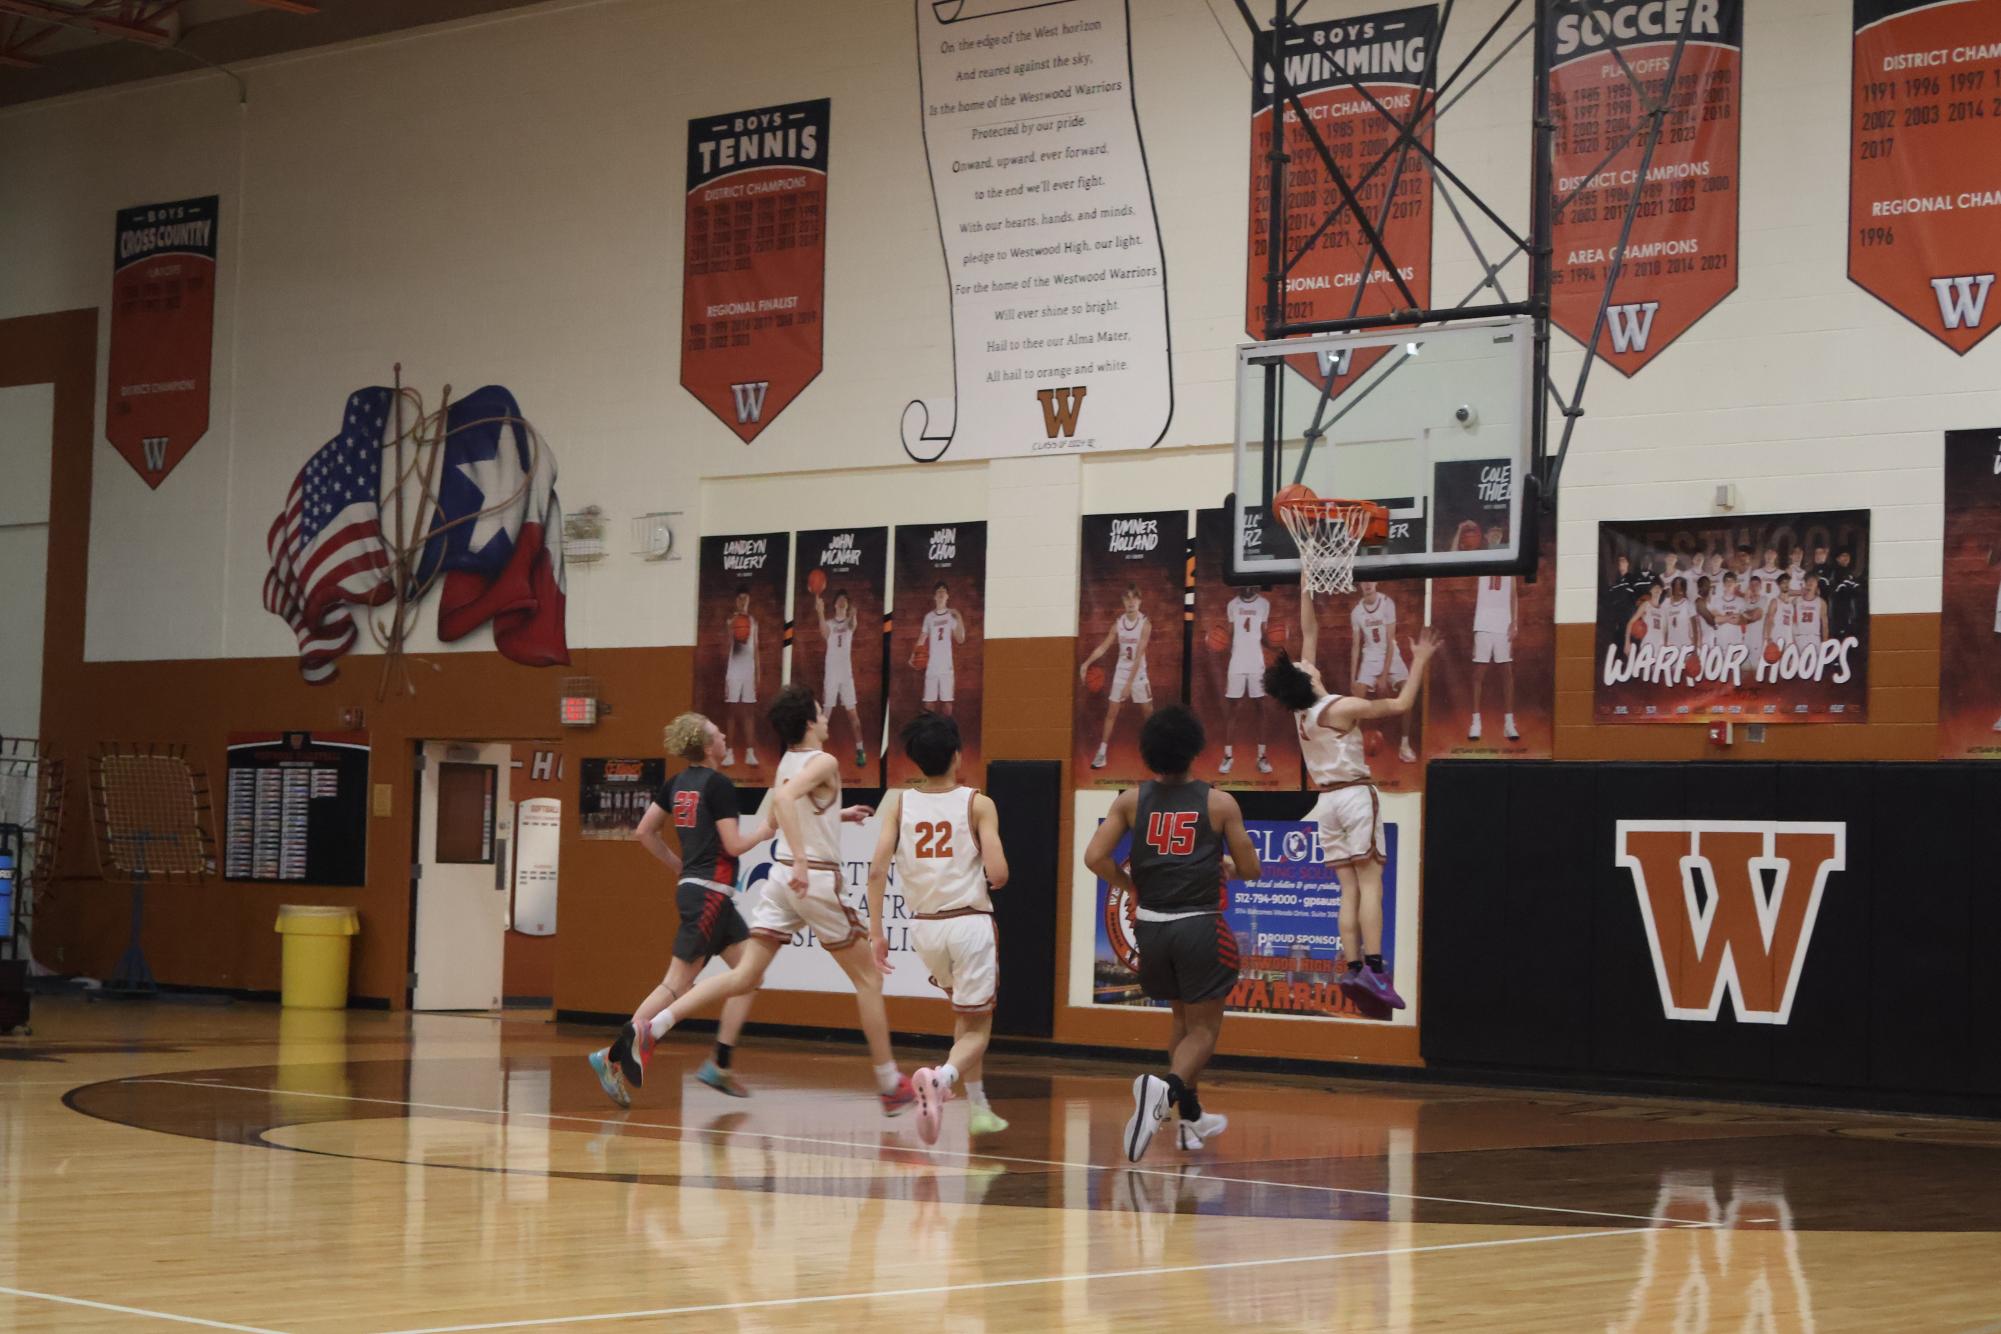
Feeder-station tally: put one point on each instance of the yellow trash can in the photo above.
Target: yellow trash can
(315, 960)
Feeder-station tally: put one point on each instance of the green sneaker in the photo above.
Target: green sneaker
(609, 1079)
(982, 1121)
(721, 1080)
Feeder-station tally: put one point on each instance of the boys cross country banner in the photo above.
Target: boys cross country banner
(1362, 81)
(162, 325)
(1238, 632)
(1053, 259)
(1681, 257)
(1129, 638)
(1969, 660)
(1496, 671)
(837, 614)
(1758, 619)
(1924, 207)
(739, 635)
(755, 270)
(938, 637)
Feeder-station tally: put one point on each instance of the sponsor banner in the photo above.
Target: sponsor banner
(1681, 256)
(1969, 659)
(739, 637)
(1238, 631)
(1133, 570)
(614, 794)
(1924, 207)
(754, 274)
(838, 607)
(1052, 250)
(1362, 80)
(162, 327)
(1753, 619)
(938, 637)
(1496, 672)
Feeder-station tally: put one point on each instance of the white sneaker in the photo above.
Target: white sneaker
(729, 759)
(1194, 1134)
(1149, 1110)
(1508, 729)
(1473, 732)
(1264, 765)
(750, 758)
(1098, 760)
(1229, 760)
(1406, 754)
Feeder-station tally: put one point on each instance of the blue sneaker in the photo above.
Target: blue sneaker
(721, 1080)
(609, 1079)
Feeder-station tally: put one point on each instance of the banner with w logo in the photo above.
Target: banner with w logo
(162, 325)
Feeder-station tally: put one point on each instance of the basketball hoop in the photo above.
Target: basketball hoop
(1330, 534)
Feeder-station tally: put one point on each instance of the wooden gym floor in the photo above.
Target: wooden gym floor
(235, 1167)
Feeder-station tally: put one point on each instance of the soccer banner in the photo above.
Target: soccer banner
(1969, 637)
(1238, 632)
(837, 614)
(739, 637)
(938, 637)
(1362, 80)
(162, 325)
(1133, 569)
(1681, 256)
(1754, 619)
(1053, 258)
(755, 271)
(1924, 205)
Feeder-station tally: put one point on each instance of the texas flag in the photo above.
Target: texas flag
(497, 532)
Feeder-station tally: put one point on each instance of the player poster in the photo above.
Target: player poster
(1758, 618)
(1238, 631)
(1365, 649)
(755, 269)
(739, 637)
(162, 326)
(1362, 80)
(837, 614)
(936, 647)
(1681, 256)
(1924, 207)
(1969, 638)
(613, 794)
(1129, 637)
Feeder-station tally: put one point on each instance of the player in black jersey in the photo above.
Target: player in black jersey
(1188, 839)
(701, 805)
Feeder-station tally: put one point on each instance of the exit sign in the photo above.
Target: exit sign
(579, 711)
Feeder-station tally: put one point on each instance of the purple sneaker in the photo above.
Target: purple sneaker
(1378, 985)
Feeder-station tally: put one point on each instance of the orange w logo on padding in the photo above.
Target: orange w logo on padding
(1746, 925)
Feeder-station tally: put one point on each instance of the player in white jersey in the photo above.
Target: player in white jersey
(1349, 813)
(1759, 598)
(1728, 609)
(1249, 613)
(943, 627)
(1652, 612)
(1131, 635)
(1375, 662)
(803, 893)
(1679, 619)
(838, 632)
(740, 679)
(1673, 576)
(1809, 615)
(1496, 613)
(945, 841)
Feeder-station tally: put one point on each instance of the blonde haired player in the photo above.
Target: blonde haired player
(1374, 659)
(838, 690)
(740, 679)
(943, 627)
(1131, 633)
(945, 841)
(1349, 813)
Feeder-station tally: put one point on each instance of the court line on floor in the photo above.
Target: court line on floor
(937, 1152)
(1089, 1276)
(135, 1310)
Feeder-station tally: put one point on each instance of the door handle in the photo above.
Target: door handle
(500, 865)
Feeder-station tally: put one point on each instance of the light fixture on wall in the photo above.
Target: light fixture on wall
(583, 536)
(577, 703)
(653, 535)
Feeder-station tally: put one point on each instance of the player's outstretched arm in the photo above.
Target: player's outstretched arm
(648, 834)
(1099, 855)
(986, 824)
(958, 627)
(785, 800)
(1345, 712)
(1309, 623)
(820, 613)
(878, 877)
(1228, 819)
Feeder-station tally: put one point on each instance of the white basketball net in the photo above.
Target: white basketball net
(1328, 534)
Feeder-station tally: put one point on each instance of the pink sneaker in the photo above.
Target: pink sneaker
(930, 1105)
(894, 1103)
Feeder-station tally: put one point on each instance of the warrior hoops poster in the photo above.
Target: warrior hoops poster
(1238, 631)
(1969, 683)
(739, 636)
(1924, 202)
(837, 615)
(1492, 687)
(756, 265)
(1753, 619)
(938, 638)
(1363, 80)
(1681, 256)
(1130, 585)
(162, 325)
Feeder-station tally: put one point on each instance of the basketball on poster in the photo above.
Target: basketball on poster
(937, 653)
(1132, 568)
(739, 635)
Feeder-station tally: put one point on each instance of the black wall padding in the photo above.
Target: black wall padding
(1028, 795)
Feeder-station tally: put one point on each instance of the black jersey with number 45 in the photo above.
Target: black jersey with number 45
(694, 800)
(1177, 855)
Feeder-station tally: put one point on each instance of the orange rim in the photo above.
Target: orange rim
(1377, 529)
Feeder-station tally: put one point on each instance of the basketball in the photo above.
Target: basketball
(1094, 679)
(1372, 743)
(921, 656)
(1468, 537)
(1637, 629)
(816, 582)
(1297, 491)
(1275, 632)
(1773, 652)
(1218, 638)
(740, 628)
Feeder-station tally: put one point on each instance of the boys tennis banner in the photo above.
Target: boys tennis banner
(162, 326)
(1681, 256)
(755, 269)
(1969, 636)
(1924, 204)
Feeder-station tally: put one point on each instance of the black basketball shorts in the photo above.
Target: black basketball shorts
(710, 923)
(1190, 959)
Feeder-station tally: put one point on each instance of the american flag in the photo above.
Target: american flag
(326, 545)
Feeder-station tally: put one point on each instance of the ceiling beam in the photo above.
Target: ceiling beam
(111, 27)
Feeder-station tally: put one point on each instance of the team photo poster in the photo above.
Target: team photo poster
(837, 607)
(1132, 569)
(1969, 639)
(1238, 631)
(937, 647)
(1759, 619)
(739, 637)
